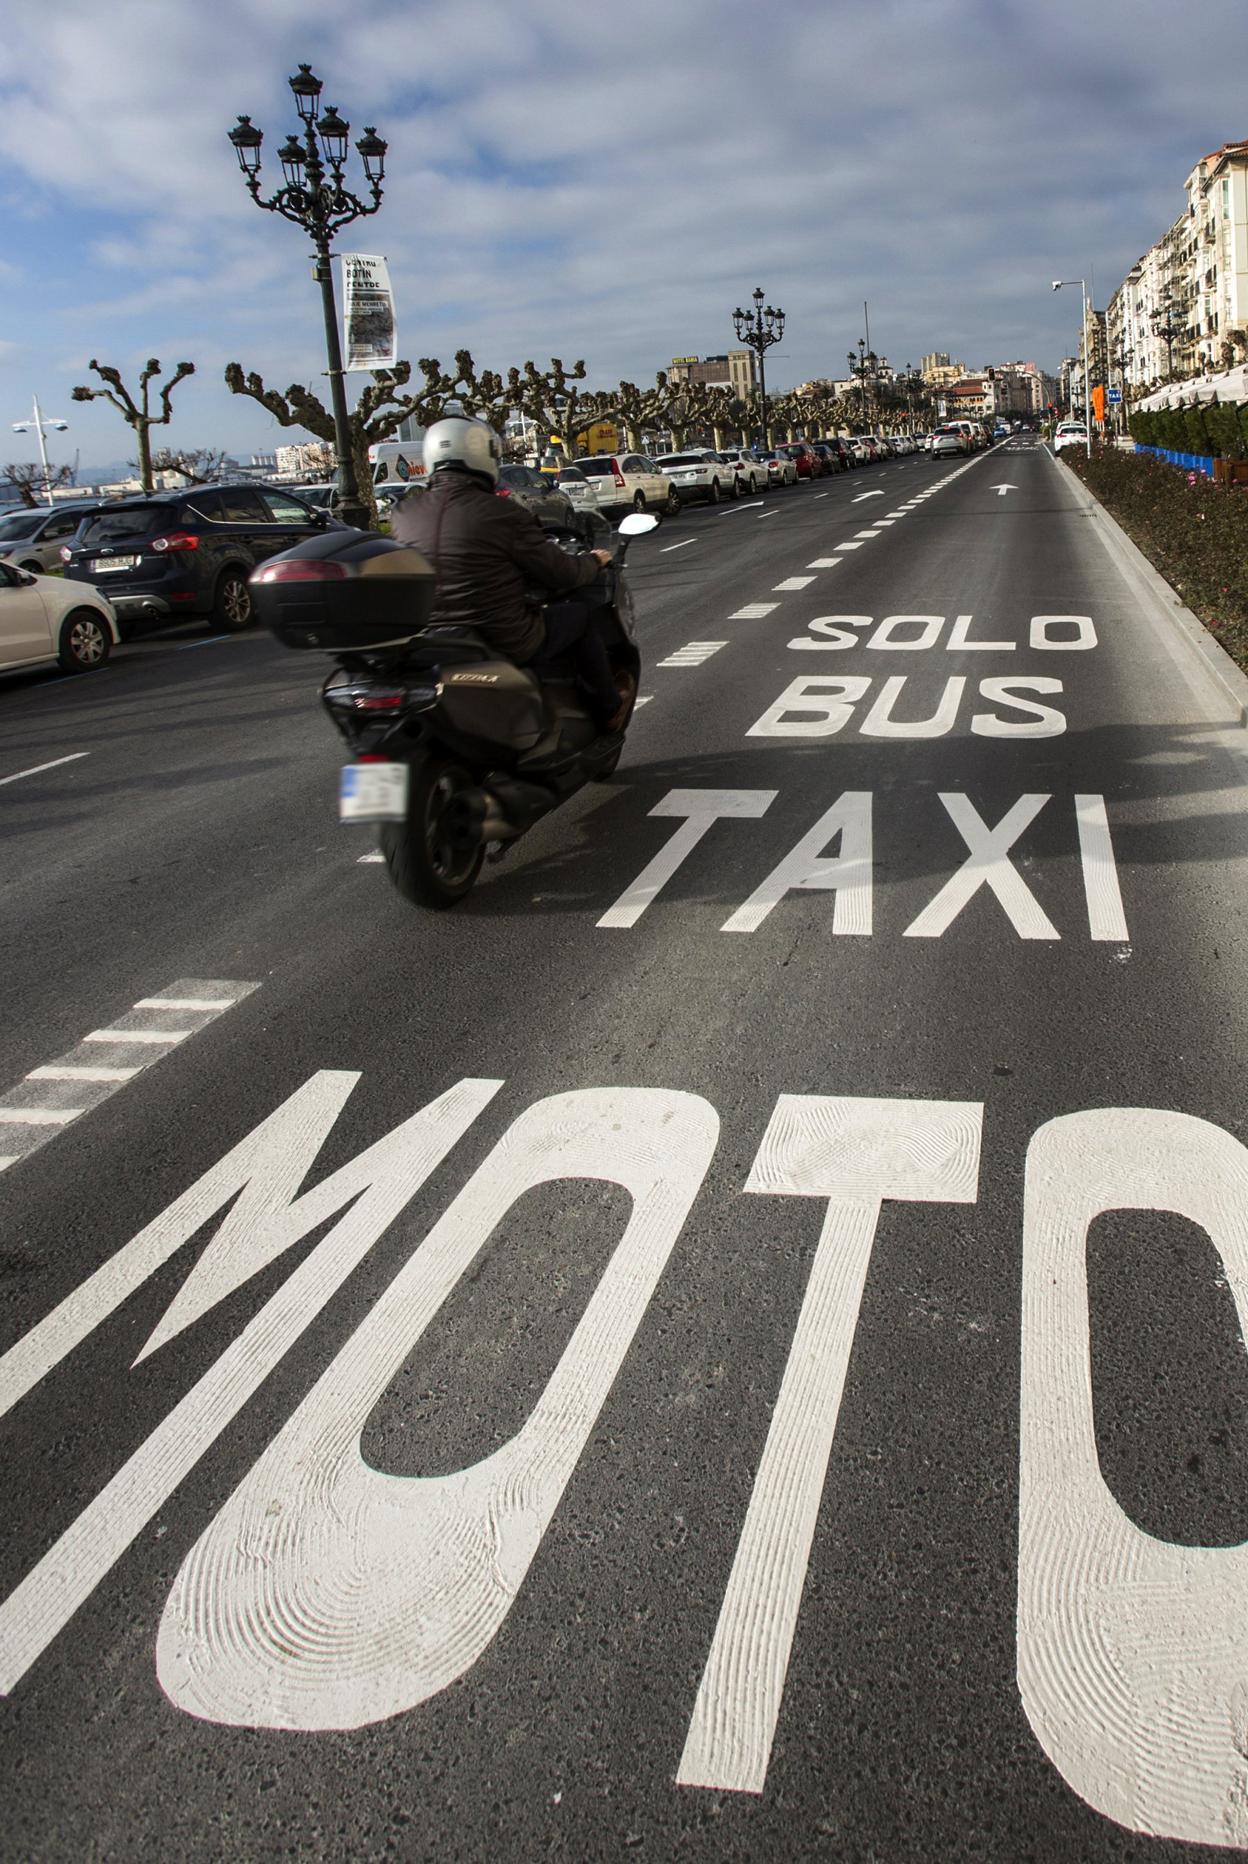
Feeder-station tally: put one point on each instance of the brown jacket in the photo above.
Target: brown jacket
(487, 552)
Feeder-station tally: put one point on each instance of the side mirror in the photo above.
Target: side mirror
(318, 517)
(638, 523)
(25, 578)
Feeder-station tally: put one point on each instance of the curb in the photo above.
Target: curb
(1233, 681)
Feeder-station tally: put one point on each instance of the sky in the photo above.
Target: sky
(581, 178)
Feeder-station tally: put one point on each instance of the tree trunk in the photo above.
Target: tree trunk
(364, 476)
(144, 433)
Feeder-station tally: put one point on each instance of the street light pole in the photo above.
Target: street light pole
(1087, 392)
(758, 330)
(41, 423)
(315, 198)
(1168, 329)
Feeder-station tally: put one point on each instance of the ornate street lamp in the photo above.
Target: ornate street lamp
(1121, 359)
(315, 196)
(758, 330)
(1164, 326)
(866, 369)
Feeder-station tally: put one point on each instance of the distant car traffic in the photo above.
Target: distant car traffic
(49, 618)
(1069, 434)
(623, 480)
(175, 556)
(33, 539)
(947, 440)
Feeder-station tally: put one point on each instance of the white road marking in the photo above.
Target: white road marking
(736, 510)
(862, 495)
(847, 874)
(1002, 490)
(821, 495)
(871, 533)
(849, 544)
(769, 514)
(754, 611)
(1131, 1650)
(823, 563)
(680, 546)
(855, 1153)
(41, 1102)
(794, 582)
(36, 769)
(1106, 919)
(987, 864)
(328, 1594)
(644, 700)
(699, 811)
(692, 654)
(377, 855)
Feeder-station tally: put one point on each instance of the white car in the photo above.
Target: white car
(752, 474)
(699, 477)
(1069, 434)
(950, 439)
(632, 479)
(577, 489)
(47, 618)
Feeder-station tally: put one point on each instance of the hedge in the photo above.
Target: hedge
(1219, 428)
(1195, 533)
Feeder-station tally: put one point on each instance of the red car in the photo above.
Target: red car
(808, 463)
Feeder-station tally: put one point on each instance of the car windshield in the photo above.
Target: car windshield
(681, 459)
(21, 524)
(112, 527)
(573, 473)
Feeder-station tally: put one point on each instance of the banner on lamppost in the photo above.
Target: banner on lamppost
(368, 312)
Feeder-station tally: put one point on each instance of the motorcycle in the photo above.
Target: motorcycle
(454, 752)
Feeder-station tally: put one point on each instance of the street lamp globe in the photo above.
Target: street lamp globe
(371, 149)
(334, 132)
(307, 90)
(292, 157)
(247, 139)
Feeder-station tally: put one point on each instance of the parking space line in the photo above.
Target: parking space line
(36, 769)
(47, 1099)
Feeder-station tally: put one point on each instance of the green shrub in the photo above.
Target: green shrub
(1215, 428)
(1195, 534)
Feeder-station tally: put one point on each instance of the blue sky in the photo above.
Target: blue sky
(577, 178)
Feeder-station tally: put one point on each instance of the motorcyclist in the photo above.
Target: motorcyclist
(489, 552)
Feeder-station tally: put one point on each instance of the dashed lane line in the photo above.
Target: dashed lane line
(823, 563)
(794, 582)
(768, 514)
(50, 1097)
(754, 611)
(692, 654)
(37, 769)
(680, 546)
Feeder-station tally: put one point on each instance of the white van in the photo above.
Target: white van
(397, 462)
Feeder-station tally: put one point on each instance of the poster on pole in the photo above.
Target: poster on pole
(368, 312)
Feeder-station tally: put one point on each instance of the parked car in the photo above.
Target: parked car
(537, 493)
(830, 458)
(751, 472)
(627, 479)
(49, 618)
(320, 497)
(576, 489)
(948, 440)
(840, 452)
(804, 457)
(698, 477)
(862, 452)
(1069, 434)
(32, 539)
(781, 467)
(174, 556)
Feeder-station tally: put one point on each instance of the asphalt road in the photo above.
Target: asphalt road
(727, 1353)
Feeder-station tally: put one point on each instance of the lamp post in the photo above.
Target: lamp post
(1120, 358)
(316, 198)
(1165, 326)
(758, 330)
(41, 424)
(1087, 392)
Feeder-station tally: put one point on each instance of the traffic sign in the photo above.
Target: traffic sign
(1115, 394)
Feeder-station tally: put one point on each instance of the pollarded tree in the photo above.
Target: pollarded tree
(196, 465)
(551, 399)
(137, 412)
(28, 478)
(637, 409)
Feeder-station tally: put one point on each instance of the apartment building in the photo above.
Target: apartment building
(734, 370)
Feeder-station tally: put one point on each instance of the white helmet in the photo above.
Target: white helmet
(471, 445)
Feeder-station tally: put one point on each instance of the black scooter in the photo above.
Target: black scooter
(454, 752)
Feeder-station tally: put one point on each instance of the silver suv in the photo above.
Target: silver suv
(31, 540)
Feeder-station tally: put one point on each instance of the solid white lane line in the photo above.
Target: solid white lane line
(754, 611)
(823, 563)
(680, 546)
(33, 1111)
(35, 769)
(794, 582)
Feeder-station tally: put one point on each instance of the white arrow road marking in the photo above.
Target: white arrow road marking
(862, 495)
(36, 769)
(1001, 490)
(50, 1097)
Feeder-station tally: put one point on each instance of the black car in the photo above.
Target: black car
(838, 445)
(174, 556)
(536, 493)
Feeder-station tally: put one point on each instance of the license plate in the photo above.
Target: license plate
(114, 563)
(373, 793)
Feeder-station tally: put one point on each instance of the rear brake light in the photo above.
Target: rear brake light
(176, 540)
(503, 491)
(619, 476)
(302, 569)
(66, 553)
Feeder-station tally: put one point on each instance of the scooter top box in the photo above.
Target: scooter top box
(344, 592)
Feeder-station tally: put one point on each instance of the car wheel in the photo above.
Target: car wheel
(33, 568)
(231, 605)
(85, 642)
(713, 496)
(639, 501)
(672, 503)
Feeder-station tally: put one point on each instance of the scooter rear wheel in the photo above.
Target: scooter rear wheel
(429, 864)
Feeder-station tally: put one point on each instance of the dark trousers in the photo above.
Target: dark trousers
(572, 635)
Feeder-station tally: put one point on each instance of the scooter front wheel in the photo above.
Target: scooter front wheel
(431, 860)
